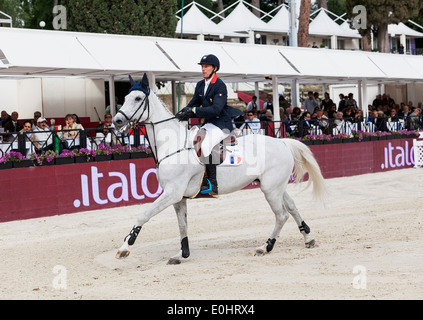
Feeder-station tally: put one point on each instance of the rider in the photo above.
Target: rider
(210, 102)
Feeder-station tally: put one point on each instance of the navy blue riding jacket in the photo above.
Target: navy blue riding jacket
(212, 106)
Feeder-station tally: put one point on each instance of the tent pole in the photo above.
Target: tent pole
(112, 95)
(364, 99)
(276, 111)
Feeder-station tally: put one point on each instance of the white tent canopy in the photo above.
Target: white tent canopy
(195, 22)
(402, 29)
(323, 25)
(280, 22)
(241, 19)
(41, 53)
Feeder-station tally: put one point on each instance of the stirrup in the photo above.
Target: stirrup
(209, 189)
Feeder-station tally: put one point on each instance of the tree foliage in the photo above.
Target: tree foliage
(132, 17)
(381, 13)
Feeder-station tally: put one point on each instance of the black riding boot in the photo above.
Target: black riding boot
(210, 184)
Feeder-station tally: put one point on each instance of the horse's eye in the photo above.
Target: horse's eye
(138, 99)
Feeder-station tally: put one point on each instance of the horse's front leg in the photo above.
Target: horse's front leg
(181, 213)
(167, 198)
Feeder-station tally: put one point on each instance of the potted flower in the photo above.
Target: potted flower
(139, 152)
(5, 163)
(83, 155)
(14, 159)
(66, 157)
(46, 158)
(120, 152)
(103, 153)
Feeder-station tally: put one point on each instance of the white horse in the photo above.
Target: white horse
(268, 160)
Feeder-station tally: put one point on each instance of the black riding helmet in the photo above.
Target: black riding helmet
(212, 60)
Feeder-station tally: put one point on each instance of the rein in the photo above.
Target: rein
(146, 101)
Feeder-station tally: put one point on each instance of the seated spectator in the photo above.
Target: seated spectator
(12, 125)
(393, 116)
(262, 116)
(29, 136)
(338, 119)
(304, 125)
(252, 123)
(296, 113)
(321, 121)
(5, 117)
(76, 118)
(413, 121)
(108, 123)
(70, 124)
(43, 136)
(37, 114)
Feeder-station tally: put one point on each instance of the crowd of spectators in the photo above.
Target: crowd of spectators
(325, 115)
(41, 135)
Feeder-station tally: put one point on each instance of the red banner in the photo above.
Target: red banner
(45, 191)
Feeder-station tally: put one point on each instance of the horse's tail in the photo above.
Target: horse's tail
(304, 162)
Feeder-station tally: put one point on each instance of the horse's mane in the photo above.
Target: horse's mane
(160, 102)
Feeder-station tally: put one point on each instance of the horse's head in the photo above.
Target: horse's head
(136, 105)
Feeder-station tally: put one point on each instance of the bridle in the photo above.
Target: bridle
(146, 102)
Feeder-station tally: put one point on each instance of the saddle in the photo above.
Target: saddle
(219, 150)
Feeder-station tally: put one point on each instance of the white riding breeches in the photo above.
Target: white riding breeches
(213, 136)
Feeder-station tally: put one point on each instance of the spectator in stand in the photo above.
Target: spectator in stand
(304, 124)
(339, 118)
(262, 116)
(327, 103)
(296, 113)
(269, 115)
(378, 101)
(404, 112)
(268, 105)
(391, 102)
(117, 106)
(43, 136)
(252, 123)
(5, 117)
(341, 104)
(351, 101)
(316, 96)
(108, 123)
(332, 112)
(414, 121)
(321, 121)
(29, 136)
(13, 125)
(252, 105)
(283, 103)
(310, 103)
(401, 49)
(71, 125)
(76, 118)
(37, 114)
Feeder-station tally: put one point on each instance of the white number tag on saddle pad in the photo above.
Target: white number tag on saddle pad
(233, 157)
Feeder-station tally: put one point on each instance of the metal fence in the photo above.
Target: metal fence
(56, 140)
(94, 137)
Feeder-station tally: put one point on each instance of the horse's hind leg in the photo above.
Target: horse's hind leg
(281, 215)
(289, 204)
(181, 213)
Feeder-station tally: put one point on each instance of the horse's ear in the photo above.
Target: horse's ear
(144, 81)
(131, 81)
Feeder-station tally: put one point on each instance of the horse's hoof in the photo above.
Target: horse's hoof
(310, 244)
(122, 254)
(174, 261)
(259, 252)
